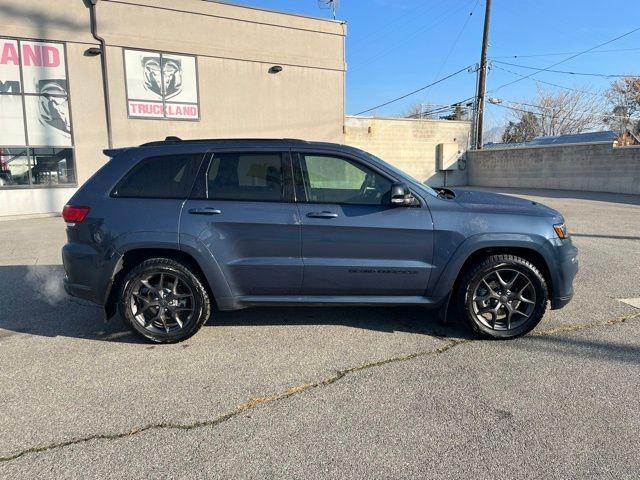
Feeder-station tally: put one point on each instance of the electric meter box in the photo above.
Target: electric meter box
(447, 155)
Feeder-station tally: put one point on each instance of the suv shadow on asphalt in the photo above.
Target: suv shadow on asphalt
(34, 302)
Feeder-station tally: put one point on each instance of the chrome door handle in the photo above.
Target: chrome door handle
(322, 215)
(205, 211)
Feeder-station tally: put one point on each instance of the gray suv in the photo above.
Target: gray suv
(165, 231)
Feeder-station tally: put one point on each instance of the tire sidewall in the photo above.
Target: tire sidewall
(200, 316)
(532, 275)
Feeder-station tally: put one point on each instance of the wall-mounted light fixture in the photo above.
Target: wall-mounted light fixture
(275, 69)
(92, 52)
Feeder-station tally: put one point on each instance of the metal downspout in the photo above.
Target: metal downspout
(103, 64)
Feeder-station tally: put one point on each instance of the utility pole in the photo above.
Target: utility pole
(482, 80)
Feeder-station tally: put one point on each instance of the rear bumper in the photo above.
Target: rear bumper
(88, 273)
(563, 272)
(78, 290)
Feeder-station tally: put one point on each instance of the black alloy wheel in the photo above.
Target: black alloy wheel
(164, 301)
(504, 296)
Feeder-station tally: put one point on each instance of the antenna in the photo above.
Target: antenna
(330, 5)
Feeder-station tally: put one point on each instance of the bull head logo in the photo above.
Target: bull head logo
(162, 76)
(53, 105)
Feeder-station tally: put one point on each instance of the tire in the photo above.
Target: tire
(502, 297)
(164, 301)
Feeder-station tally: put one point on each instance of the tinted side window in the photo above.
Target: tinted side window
(167, 176)
(329, 179)
(245, 176)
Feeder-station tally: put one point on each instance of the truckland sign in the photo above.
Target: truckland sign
(161, 85)
(34, 101)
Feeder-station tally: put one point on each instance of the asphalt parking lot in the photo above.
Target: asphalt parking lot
(325, 393)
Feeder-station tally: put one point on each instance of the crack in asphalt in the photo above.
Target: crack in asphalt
(254, 402)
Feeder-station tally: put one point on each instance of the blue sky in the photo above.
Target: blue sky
(396, 46)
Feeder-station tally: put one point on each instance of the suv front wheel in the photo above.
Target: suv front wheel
(504, 296)
(164, 301)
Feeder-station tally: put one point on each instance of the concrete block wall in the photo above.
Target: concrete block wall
(595, 167)
(410, 144)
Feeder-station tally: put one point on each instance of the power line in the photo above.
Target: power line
(455, 42)
(529, 67)
(406, 38)
(415, 91)
(545, 110)
(425, 113)
(440, 109)
(566, 53)
(568, 58)
(537, 80)
(359, 43)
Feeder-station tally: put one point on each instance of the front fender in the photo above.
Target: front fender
(443, 283)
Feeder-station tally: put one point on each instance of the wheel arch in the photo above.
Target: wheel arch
(473, 249)
(529, 254)
(135, 256)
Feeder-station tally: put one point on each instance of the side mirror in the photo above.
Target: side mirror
(400, 195)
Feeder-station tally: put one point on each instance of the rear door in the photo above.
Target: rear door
(354, 242)
(242, 212)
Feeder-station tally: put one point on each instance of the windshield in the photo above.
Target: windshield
(403, 174)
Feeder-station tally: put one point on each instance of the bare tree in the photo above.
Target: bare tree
(420, 110)
(623, 98)
(567, 111)
(554, 113)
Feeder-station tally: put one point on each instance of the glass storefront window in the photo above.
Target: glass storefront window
(11, 120)
(52, 166)
(36, 141)
(36, 166)
(14, 167)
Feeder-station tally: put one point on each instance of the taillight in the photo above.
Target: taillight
(74, 214)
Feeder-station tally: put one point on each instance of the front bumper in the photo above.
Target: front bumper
(563, 271)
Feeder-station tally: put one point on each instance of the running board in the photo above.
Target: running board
(331, 300)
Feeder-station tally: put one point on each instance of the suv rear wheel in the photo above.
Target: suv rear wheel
(164, 301)
(504, 296)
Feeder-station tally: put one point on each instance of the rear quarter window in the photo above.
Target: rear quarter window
(164, 176)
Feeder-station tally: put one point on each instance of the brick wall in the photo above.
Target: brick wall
(409, 144)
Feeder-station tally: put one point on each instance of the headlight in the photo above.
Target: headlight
(561, 230)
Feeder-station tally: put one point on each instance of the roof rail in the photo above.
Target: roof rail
(172, 139)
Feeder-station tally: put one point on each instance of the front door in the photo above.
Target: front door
(242, 212)
(354, 242)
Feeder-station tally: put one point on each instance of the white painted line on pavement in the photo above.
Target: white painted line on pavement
(634, 302)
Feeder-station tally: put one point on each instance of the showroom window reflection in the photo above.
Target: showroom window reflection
(36, 147)
(23, 167)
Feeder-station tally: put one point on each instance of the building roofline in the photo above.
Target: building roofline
(548, 145)
(325, 28)
(280, 12)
